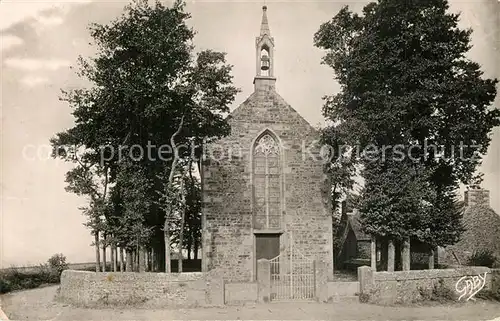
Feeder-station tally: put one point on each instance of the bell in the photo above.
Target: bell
(264, 63)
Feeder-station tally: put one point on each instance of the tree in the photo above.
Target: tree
(407, 84)
(341, 167)
(192, 229)
(88, 180)
(149, 91)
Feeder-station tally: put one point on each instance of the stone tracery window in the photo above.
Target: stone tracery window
(267, 182)
(267, 145)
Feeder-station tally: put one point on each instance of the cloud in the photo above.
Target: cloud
(50, 20)
(31, 64)
(9, 41)
(14, 11)
(33, 81)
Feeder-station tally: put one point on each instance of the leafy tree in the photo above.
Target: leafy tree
(148, 89)
(406, 81)
(341, 167)
(131, 207)
(88, 180)
(192, 229)
(57, 262)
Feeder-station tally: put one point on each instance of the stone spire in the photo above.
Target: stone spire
(264, 26)
(264, 46)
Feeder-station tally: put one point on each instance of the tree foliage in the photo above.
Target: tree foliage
(406, 81)
(146, 83)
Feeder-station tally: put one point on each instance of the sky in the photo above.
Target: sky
(41, 40)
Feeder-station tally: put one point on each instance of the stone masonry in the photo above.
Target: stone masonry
(239, 203)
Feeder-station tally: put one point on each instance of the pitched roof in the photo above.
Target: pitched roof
(354, 220)
(482, 225)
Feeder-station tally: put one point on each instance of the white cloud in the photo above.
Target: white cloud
(14, 11)
(33, 81)
(50, 20)
(30, 64)
(9, 41)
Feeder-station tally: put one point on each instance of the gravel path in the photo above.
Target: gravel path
(38, 305)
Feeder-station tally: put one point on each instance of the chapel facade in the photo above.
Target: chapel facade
(264, 190)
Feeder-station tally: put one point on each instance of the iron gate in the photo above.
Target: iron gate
(292, 277)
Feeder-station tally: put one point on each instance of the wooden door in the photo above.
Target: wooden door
(267, 246)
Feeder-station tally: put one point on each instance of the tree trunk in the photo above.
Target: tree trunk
(390, 256)
(129, 261)
(153, 259)
(183, 220)
(113, 258)
(104, 254)
(140, 260)
(103, 200)
(166, 239)
(195, 249)
(431, 259)
(122, 265)
(166, 232)
(373, 253)
(117, 258)
(189, 246)
(405, 255)
(97, 252)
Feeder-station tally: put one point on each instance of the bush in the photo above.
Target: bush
(482, 258)
(57, 262)
(15, 279)
(4, 286)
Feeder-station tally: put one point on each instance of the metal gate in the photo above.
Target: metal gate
(292, 277)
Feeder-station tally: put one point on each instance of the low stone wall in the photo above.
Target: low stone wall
(413, 286)
(84, 288)
(239, 293)
(495, 280)
(338, 291)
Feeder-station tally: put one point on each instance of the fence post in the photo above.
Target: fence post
(390, 256)
(373, 252)
(264, 280)
(406, 254)
(365, 278)
(320, 281)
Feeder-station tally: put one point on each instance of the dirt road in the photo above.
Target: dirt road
(38, 305)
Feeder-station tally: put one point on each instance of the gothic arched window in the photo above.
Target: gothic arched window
(267, 182)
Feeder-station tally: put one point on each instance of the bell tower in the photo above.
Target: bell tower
(264, 46)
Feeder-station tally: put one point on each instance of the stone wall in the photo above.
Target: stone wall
(495, 280)
(413, 286)
(229, 193)
(84, 288)
(238, 293)
(338, 291)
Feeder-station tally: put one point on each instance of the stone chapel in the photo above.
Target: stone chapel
(264, 190)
